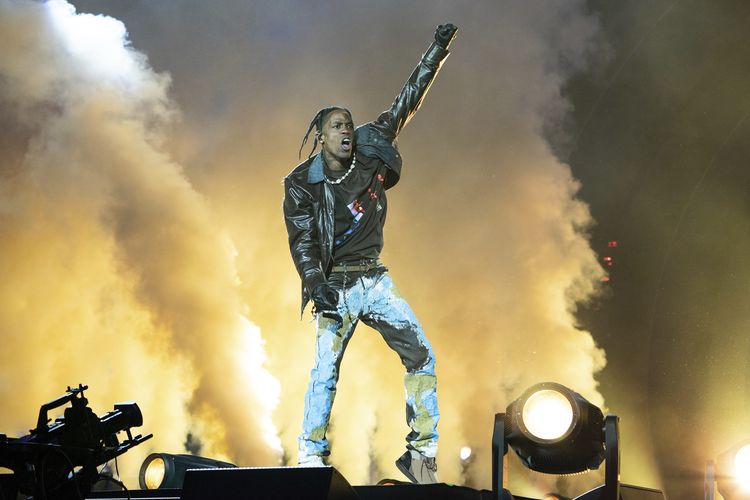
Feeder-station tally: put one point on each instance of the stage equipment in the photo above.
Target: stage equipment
(555, 430)
(59, 460)
(268, 483)
(732, 472)
(165, 471)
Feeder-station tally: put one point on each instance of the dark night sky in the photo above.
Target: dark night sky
(646, 101)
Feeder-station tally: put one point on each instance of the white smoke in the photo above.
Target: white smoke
(486, 237)
(116, 273)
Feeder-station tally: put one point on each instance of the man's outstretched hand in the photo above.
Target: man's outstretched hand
(326, 300)
(444, 34)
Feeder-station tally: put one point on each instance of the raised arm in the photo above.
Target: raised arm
(407, 102)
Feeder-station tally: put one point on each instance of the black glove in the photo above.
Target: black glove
(326, 300)
(444, 34)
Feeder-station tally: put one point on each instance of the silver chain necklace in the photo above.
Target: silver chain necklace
(341, 179)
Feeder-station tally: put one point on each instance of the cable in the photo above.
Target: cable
(72, 471)
(101, 476)
(117, 482)
(43, 486)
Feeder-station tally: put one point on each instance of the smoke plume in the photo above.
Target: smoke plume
(114, 271)
(486, 236)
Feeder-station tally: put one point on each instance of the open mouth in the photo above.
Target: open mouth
(346, 144)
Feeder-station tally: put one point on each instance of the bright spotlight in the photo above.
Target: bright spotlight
(733, 472)
(153, 476)
(465, 453)
(165, 471)
(547, 415)
(742, 467)
(555, 430)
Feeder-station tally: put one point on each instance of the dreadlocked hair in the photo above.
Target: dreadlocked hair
(317, 122)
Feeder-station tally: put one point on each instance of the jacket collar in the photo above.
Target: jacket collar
(315, 174)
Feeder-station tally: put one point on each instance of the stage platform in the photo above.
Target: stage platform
(394, 492)
(295, 483)
(280, 483)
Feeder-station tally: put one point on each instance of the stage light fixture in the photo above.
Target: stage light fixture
(741, 467)
(166, 471)
(547, 415)
(555, 430)
(733, 472)
(154, 473)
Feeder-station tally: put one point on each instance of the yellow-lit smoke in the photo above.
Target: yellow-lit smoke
(485, 236)
(114, 271)
(114, 251)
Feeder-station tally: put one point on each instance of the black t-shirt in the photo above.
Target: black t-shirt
(360, 210)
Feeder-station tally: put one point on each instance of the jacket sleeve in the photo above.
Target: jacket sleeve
(407, 102)
(303, 238)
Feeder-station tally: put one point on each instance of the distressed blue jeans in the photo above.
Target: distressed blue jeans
(373, 299)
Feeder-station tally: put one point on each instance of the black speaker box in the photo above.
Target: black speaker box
(267, 483)
(422, 492)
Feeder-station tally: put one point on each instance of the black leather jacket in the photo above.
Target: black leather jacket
(308, 201)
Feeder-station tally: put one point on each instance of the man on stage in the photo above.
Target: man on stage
(335, 209)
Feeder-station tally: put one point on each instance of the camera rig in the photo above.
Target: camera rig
(59, 460)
